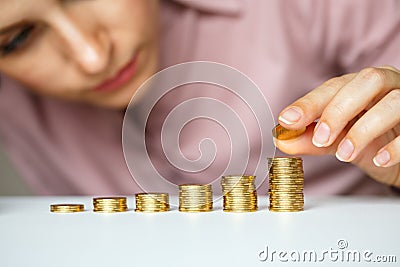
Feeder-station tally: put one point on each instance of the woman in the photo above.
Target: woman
(77, 64)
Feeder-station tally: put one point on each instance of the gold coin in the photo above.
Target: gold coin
(66, 208)
(152, 202)
(109, 204)
(195, 198)
(240, 210)
(285, 210)
(286, 183)
(239, 193)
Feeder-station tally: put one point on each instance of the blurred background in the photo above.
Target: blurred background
(11, 183)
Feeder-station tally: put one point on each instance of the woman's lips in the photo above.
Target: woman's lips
(122, 77)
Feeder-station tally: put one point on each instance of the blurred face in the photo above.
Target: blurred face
(95, 51)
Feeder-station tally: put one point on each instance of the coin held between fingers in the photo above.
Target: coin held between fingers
(281, 133)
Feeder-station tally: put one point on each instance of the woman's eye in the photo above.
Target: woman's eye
(17, 41)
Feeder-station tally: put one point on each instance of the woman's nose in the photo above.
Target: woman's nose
(89, 47)
(92, 52)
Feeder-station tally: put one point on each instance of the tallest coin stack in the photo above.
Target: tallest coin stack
(286, 183)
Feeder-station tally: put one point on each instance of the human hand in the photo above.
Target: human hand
(359, 121)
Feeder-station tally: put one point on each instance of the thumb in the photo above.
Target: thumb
(303, 144)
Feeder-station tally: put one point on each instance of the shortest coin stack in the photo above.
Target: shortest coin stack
(195, 198)
(110, 204)
(286, 183)
(152, 202)
(239, 193)
(66, 208)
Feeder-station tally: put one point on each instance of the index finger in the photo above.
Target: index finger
(308, 108)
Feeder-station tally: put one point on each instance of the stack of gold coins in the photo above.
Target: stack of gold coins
(286, 183)
(239, 193)
(152, 202)
(66, 208)
(110, 204)
(195, 198)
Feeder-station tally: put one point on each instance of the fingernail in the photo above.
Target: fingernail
(291, 115)
(382, 158)
(321, 135)
(346, 149)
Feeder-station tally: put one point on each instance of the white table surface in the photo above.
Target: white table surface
(32, 236)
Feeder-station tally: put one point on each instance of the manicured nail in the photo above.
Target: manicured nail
(291, 115)
(321, 135)
(382, 158)
(346, 149)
